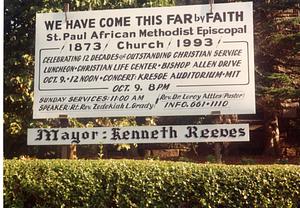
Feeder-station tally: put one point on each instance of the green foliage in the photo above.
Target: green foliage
(101, 151)
(281, 78)
(211, 159)
(184, 159)
(283, 161)
(247, 161)
(277, 43)
(19, 33)
(124, 183)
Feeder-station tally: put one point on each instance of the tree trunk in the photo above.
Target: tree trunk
(228, 119)
(64, 122)
(73, 152)
(218, 145)
(272, 135)
(67, 151)
(218, 153)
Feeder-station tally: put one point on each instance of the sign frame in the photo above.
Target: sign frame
(225, 78)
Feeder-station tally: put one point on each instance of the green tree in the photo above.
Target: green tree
(277, 41)
(19, 33)
(277, 58)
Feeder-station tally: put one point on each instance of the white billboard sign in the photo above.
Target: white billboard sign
(145, 62)
(139, 134)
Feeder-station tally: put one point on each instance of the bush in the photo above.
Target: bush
(126, 183)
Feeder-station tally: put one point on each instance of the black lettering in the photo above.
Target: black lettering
(215, 133)
(82, 23)
(52, 134)
(154, 134)
(173, 133)
(75, 137)
(192, 132)
(65, 136)
(204, 133)
(50, 25)
(115, 133)
(232, 132)
(126, 135)
(85, 135)
(40, 135)
(224, 132)
(242, 132)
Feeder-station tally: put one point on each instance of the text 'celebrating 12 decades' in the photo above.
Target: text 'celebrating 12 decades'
(154, 61)
(144, 134)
